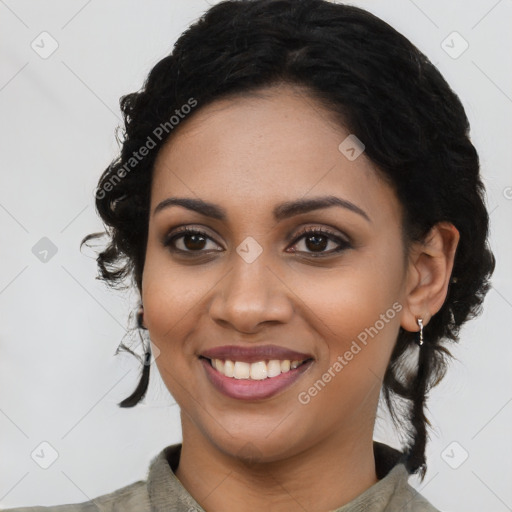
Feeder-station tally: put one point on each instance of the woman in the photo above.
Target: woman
(299, 205)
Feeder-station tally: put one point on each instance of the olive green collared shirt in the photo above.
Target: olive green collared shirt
(163, 492)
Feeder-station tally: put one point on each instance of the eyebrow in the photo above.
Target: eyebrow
(281, 211)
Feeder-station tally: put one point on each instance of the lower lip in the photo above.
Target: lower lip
(248, 389)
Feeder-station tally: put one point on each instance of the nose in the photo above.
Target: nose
(250, 297)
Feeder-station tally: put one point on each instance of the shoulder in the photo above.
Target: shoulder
(406, 498)
(394, 488)
(415, 502)
(130, 497)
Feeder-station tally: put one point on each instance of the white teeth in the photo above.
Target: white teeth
(273, 368)
(259, 370)
(229, 368)
(242, 370)
(254, 371)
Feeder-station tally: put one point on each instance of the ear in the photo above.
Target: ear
(428, 275)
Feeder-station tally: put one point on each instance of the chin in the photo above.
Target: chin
(258, 447)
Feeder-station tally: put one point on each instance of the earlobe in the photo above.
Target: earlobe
(430, 266)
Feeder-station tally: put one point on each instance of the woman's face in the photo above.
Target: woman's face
(252, 278)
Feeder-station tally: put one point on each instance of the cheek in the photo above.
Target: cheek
(171, 295)
(355, 312)
(356, 319)
(350, 299)
(170, 299)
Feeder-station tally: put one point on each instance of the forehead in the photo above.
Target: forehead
(252, 151)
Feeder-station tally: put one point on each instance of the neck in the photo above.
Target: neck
(320, 478)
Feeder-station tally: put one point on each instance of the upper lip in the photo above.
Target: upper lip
(254, 354)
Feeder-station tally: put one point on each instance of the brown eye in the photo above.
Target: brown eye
(316, 240)
(193, 241)
(187, 240)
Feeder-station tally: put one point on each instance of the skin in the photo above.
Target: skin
(248, 154)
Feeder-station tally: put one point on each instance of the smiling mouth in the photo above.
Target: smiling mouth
(259, 370)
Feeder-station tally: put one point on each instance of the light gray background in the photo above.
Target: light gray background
(59, 379)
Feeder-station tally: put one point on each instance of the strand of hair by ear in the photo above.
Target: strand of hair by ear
(142, 387)
(415, 460)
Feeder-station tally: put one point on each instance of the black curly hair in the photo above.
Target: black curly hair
(381, 88)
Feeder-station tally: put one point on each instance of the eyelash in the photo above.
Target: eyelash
(344, 244)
